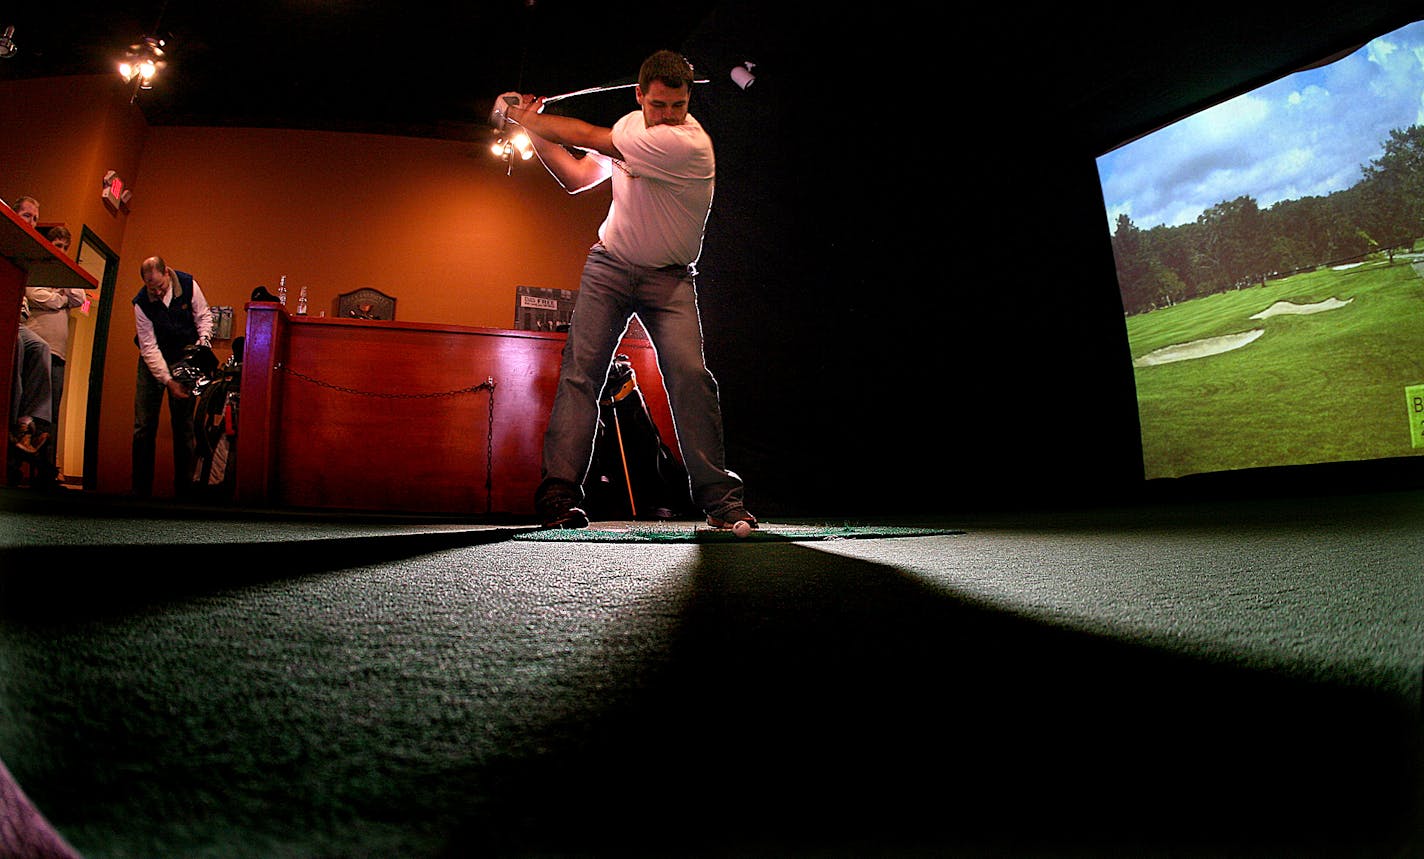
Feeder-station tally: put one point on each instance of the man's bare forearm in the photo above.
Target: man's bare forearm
(572, 173)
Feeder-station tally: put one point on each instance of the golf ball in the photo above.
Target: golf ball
(741, 528)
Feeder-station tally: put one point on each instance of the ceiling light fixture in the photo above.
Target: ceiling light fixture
(145, 59)
(8, 48)
(506, 147)
(142, 63)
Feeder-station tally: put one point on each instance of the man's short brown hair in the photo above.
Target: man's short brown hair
(669, 67)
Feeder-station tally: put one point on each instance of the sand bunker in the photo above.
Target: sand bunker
(1290, 307)
(1227, 342)
(1198, 348)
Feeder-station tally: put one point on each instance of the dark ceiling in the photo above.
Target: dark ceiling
(361, 65)
(1098, 74)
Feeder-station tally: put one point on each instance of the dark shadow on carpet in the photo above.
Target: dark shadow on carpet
(808, 704)
(105, 580)
(856, 711)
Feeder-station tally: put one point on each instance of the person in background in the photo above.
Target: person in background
(30, 398)
(28, 208)
(60, 237)
(49, 318)
(170, 314)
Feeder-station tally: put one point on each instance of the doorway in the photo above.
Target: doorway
(78, 451)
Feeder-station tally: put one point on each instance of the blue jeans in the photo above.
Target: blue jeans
(148, 402)
(31, 391)
(48, 455)
(665, 299)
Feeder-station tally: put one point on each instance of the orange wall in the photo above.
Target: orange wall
(437, 224)
(61, 136)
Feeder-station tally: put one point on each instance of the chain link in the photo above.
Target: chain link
(489, 453)
(487, 385)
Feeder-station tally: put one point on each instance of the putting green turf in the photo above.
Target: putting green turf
(1313, 388)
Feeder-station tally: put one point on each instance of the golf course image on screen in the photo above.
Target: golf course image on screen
(1315, 367)
(1269, 253)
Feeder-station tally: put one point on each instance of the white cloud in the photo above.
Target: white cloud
(1307, 134)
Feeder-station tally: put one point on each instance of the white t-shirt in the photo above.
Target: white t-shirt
(662, 192)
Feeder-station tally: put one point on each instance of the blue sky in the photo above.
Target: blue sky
(1308, 134)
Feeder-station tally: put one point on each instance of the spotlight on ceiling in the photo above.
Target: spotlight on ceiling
(142, 63)
(8, 48)
(742, 75)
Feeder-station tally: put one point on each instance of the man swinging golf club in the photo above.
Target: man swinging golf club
(662, 167)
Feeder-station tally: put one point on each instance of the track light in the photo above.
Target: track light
(742, 75)
(8, 48)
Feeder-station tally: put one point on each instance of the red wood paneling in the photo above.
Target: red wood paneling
(373, 415)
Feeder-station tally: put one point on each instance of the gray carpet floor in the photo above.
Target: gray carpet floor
(1237, 678)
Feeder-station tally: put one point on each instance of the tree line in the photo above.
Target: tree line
(1236, 243)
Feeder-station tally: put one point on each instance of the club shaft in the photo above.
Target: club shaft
(595, 89)
(588, 91)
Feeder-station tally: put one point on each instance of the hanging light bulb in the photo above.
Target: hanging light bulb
(142, 63)
(505, 148)
(524, 145)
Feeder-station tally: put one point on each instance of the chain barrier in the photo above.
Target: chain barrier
(487, 385)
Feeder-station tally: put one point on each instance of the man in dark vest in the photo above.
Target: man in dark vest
(170, 314)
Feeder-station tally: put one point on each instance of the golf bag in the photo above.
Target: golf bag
(634, 474)
(215, 428)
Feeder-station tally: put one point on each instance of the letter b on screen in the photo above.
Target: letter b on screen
(1414, 399)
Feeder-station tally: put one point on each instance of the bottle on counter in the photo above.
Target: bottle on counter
(302, 302)
(282, 290)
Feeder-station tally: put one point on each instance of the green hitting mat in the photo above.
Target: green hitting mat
(694, 532)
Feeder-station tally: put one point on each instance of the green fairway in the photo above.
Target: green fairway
(1313, 387)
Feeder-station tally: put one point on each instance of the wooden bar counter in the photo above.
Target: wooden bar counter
(396, 416)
